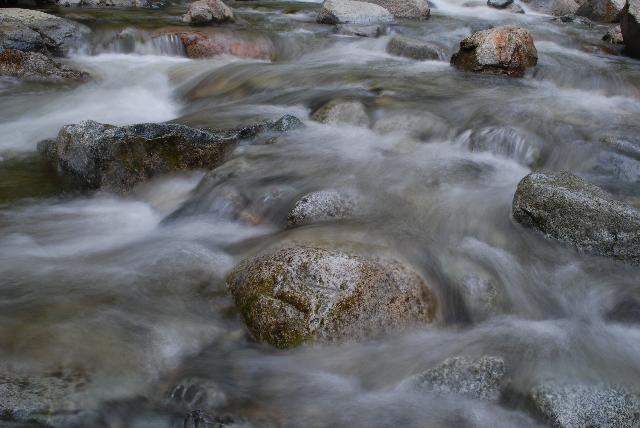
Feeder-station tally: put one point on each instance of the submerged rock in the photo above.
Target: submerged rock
(601, 10)
(324, 205)
(202, 12)
(502, 50)
(299, 294)
(421, 125)
(206, 45)
(630, 27)
(376, 30)
(410, 9)
(340, 111)
(506, 141)
(32, 30)
(614, 35)
(117, 158)
(478, 379)
(567, 208)
(34, 66)
(352, 12)
(414, 49)
(578, 406)
(625, 145)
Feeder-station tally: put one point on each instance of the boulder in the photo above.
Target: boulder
(206, 11)
(499, 4)
(614, 35)
(601, 10)
(342, 112)
(577, 406)
(324, 205)
(630, 26)
(478, 379)
(414, 49)
(503, 50)
(117, 158)
(567, 208)
(352, 12)
(375, 30)
(31, 30)
(206, 45)
(34, 66)
(564, 7)
(410, 9)
(305, 294)
(112, 3)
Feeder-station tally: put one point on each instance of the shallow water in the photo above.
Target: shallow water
(130, 290)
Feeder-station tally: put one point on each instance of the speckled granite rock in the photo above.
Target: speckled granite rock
(564, 7)
(352, 12)
(32, 30)
(479, 379)
(601, 10)
(408, 9)
(340, 111)
(203, 12)
(566, 207)
(324, 205)
(414, 49)
(34, 66)
(502, 50)
(579, 406)
(305, 294)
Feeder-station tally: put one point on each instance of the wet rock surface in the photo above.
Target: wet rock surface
(34, 66)
(414, 49)
(564, 7)
(410, 9)
(574, 406)
(321, 206)
(307, 294)
(206, 45)
(203, 12)
(502, 50)
(566, 207)
(352, 12)
(478, 379)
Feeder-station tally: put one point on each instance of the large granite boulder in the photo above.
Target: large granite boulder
(298, 294)
(601, 10)
(503, 50)
(352, 12)
(630, 26)
(32, 30)
(578, 406)
(566, 207)
(409, 9)
(117, 158)
(202, 12)
(35, 66)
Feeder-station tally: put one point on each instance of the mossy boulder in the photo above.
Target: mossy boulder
(306, 294)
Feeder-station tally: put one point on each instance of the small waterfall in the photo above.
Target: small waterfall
(132, 41)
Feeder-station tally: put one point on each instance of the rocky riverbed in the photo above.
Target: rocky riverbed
(261, 213)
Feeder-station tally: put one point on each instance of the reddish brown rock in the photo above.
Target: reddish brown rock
(205, 45)
(503, 50)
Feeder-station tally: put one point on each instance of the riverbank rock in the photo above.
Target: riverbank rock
(414, 49)
(117, 158)
(478, 379)
(299, 294)
(601, 10)
(630, 27)
(566, 207)
(408, 9)
(34, 66)
(578, 406)
(324, 205)
(502, 50)
(203, 12)
(614, 35)
(342, 112)
(352, 12)
(35, 31)
(207, 45)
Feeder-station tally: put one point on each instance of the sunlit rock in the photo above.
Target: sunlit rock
(352, 12)
(306, 294)
(411, 9)
(502, 50)
(566, 207)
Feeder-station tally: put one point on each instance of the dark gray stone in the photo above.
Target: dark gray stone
(566, 207)
(601, 10)
(630, 27)
(499, 4)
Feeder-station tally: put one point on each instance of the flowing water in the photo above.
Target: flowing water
(129, 291)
